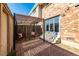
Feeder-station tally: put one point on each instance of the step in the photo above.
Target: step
(31, 41)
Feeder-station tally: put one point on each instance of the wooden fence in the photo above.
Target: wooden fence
(27, 30)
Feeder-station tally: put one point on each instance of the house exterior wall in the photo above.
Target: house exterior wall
(6, 30)
(69, 21)
(10, 32)
(70, 24)
(34, 13)
(0, 27)
(37, 12)
(3, 33)
(52, 10)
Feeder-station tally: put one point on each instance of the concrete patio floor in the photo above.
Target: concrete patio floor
(38, 47)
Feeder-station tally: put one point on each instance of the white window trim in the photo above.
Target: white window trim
(59, 33)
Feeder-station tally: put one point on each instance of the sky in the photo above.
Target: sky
(20, 8)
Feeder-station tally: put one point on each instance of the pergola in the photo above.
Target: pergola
(27, 24)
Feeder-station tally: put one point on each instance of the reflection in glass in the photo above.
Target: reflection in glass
(56, 27)
(51, 27)
(47, 27)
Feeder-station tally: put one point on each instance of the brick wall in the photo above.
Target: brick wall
(69, 22)
(53, 10)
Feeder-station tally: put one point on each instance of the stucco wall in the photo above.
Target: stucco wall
(11, 32)
(6, 31)
(0, 27)
(3, 33)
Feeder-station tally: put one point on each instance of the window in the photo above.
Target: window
(51, 27)
(47, 28)
(56, 27)
(52, 24)
(56, 24)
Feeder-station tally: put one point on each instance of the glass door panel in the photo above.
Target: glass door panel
(52, 28)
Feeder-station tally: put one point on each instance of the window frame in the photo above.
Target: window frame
(54, 24)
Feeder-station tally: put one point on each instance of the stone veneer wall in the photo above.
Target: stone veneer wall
(69, 22)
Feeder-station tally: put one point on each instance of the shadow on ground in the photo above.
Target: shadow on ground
(54, 50)
(38, 47)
